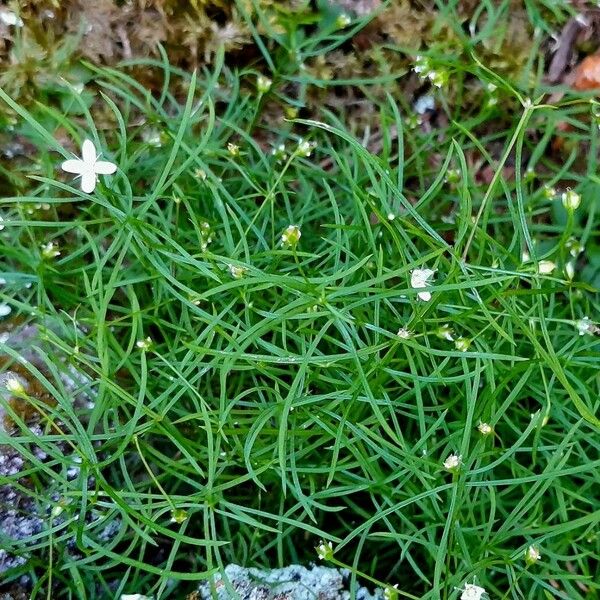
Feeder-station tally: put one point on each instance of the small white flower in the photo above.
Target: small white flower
(445, 332)
(291, 235)
(88, 167)
(305, 148)
(419, 278)
(532, 555)
(5, 309)
(571, 200)
(206, 236)
(549, 192)
(574, 246)
(8, 17)
(144, 344)
(422, 65)
(492, 100)
(343, 20)
(438, 78)
(237, 272)
(325, 550)
(485, 428)
(545, 267)
(404, 333)
(1, 223)
(263, 84)
(279, 152)
(14, 386)
(462, 344)
(453, 462)
(391, 216)
(50, 250)
(586, 326)
(472, 592)
(178, 515)
(233, 149)
(390, 592)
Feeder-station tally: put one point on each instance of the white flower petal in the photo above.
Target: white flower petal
(425, 296)
(88, 182)
(419, 278)
(73, 165)
(88, 152)
(103, 167)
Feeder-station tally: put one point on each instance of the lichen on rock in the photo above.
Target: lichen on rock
(289, 583)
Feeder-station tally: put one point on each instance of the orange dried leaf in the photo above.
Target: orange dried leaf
(587, 74)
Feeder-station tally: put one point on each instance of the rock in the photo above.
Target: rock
(290, 583)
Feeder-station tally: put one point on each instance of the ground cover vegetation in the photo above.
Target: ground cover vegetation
(336, 300)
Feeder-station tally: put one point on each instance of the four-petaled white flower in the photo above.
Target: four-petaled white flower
(404, 333)
(419, 278)
(472, 592)
(88, 167)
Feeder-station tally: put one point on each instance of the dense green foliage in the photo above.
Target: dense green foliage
(275, 404)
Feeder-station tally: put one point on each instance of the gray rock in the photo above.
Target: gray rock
(290, 583)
